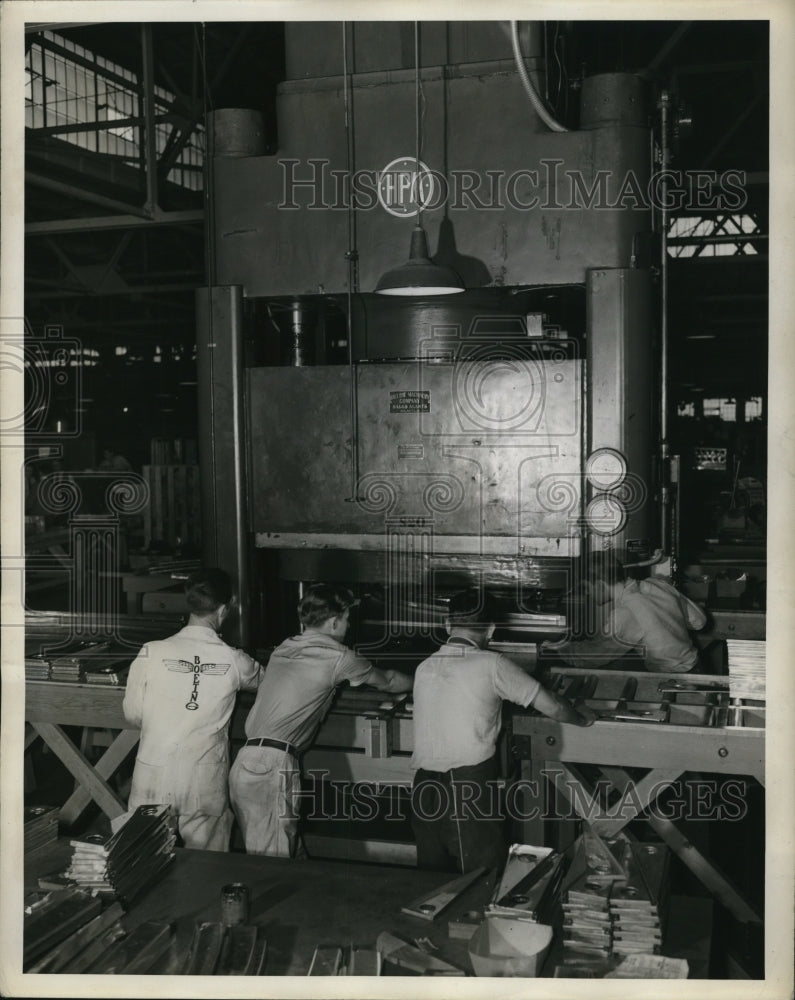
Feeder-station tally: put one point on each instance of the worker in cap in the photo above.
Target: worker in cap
(647, 618)
(458, 696)
(181, 692)
(296, 692)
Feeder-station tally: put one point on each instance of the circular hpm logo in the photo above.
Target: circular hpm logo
(406, 187)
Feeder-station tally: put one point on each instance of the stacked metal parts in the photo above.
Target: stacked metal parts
(109, 671)
(67, 932)
(37, 668)
(638, 907)
(40, 827)
(126, 863)
(67, 668)
(621, 698)
(68, 663)
(218, 950)
(747, 675)
(615, 898)
(530, 884)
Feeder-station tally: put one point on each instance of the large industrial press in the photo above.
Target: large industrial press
(411, 445)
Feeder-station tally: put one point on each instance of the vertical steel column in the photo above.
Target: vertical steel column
(620, 386)
(222, 451)
(148, 111)
(665, 485)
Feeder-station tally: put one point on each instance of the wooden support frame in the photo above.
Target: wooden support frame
(105, 767)
(94, 784)
(565, 779)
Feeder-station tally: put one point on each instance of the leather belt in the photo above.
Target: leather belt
(278, 744)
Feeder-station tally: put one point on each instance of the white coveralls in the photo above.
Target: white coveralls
(181, 692)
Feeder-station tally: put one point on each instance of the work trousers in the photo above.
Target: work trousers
(265, 791)
(199, 830)
(456, 818)
(206, 833)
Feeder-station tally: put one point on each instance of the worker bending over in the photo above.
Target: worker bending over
(458, 696)
(181, 692)
(648, 617)
(294, 696)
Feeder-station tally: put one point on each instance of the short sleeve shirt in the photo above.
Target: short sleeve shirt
(298, 687)
(458, 696)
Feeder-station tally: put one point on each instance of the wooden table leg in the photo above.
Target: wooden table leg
(530, 809)
(99, 790)
(105, 767)
(30, 775)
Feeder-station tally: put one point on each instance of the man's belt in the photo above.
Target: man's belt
(263, 741)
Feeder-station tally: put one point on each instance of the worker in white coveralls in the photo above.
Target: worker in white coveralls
(181, 692)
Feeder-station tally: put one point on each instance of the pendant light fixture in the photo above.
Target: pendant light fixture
(419, 275)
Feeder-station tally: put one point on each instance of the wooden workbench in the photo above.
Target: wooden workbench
(551, 756)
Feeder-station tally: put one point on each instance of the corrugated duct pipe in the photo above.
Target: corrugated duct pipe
(532, 93)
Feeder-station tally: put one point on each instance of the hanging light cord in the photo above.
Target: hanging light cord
(352, 255)
(417, 116)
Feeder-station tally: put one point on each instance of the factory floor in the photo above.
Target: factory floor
(737, 950)
(737, 848)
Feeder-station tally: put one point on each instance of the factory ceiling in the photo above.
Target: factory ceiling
(114, 252)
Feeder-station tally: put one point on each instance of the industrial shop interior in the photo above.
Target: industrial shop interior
(394, 476)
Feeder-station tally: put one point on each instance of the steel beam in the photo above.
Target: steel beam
(222, 439)
(103, 71)
(59, 187)
(668, 47)
(150, 144)
(132, 290)
(98, 126)
(707, 238)
(109, 222)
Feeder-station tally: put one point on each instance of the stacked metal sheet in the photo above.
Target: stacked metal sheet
(639, 906)
(587, 926)
(615, 899)
(109, 671)
(746, 668)
(37, 668)
(125, 864)
(66, 668)
(79, 950)
(40, 827)
(69, 663)
(53, 919)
